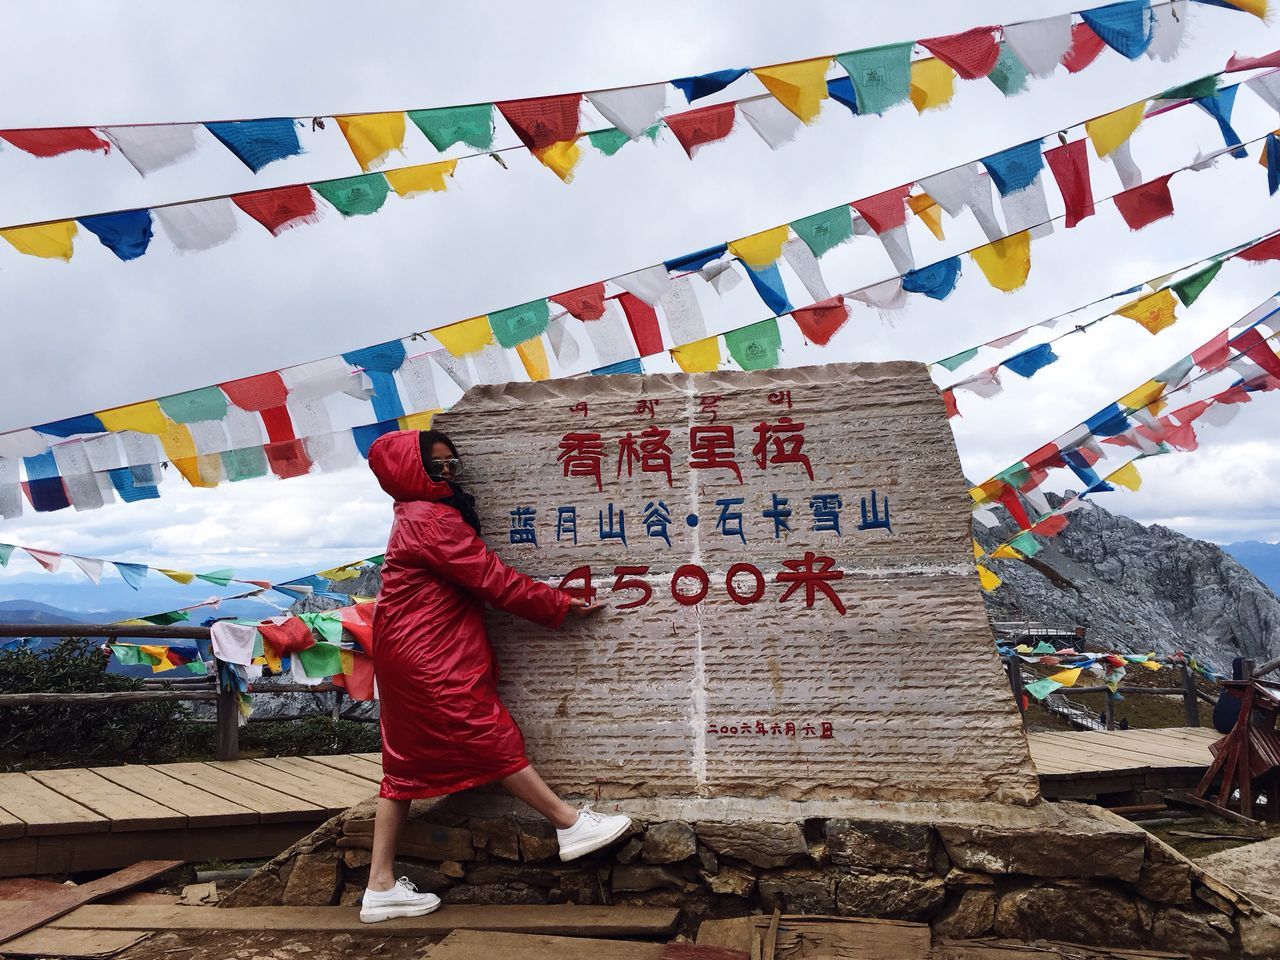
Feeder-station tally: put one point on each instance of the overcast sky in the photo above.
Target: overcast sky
(96, 332)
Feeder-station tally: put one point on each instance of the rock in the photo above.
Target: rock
(798, 891)
(538, 842)
(509, 893)
(582, 887)
(707, 858)
(630, 851)
(352, 895)
(968, 878)
(313, 881)
(968, 916)
(435, 841)
(422, 876)
(759, 844)
(452, 869)
(492, 874)
(501, 837)
(669, 842)
(1073, 845)
(1259, 936)
(881, 845)
(892, 896)
(639, 877)
(1093, 915)
(1164, 879)
(263, 889)
(730, 881)
(356, 857)
(1200, 934)
(1219, 903)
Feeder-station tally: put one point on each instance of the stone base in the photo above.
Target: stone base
(1061, 871)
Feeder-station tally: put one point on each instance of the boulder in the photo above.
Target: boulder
(1165, 876)
(630, 851)
(881, 845)
(893, 896)
(1070, 844)
(1199, 934)
(499, 836)
(759, 844)
(798, 891)
(583, 887)
(452, 869)
(494, 874)
(706, 857)
(538, 842)
(1259, 935)
(314, 881)
(356, 857)
(1084, 914)
(730, 881)
(968, 916)
(669, 842)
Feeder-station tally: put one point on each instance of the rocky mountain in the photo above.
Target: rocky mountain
(1139, 588)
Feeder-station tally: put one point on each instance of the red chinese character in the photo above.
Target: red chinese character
(648, 406)
(790, 729)
(814, 573)
(713, 728)
(580, 455)
(760, 728)
(809, 729)
(711, 448)
(781, 397)
(746, 726)
(775, 729)
(787, 440)
(579, 407)
(708, 405)
(827, 732)
(651, 451)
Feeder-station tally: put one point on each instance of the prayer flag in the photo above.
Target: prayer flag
(886, 210)
(1268, 249)
(560, 158)
(930, 214)
(52, 141)
(380, 362)
(126, 234)
(650, 284)
(1169, 28)
(935, 281)
(91, 567)
(820, 322)
(541, 122)
(258, 393)
(1005, 263)
(695, 128)
(1213, 354)
(1025, 543)
(775, 124)
(1256, 7)
(1112, 129)
(194, 406)
(608, 141)
(957, 360)
(372, 136)
(1085, 47)
(198, 226)
(470, 125)
(933, 84)
(1126, 28)
(825, 230)
(704, 85)
(755, 347)
(585, 303)
(1219, 106)
(701, 356)
(1067, 677)
(1145, 204)
(280, 209)
(949, 403)
(1127, 477)
(643, 321)
(149, 147)
(881, 76)
(515, 325)
(1042, 688)
(769, 285)
(841, 90)
(257, 143)
(1009, 75)
(987, 578)
(355, 196)
(633, 110)
(800, 86)
(1070, 165)
(972, 54)
(321, 660)
(52, 241)
(1031, 361)
(1147, 395)
(1040, 44)
(1271, 159)
(466, 336)
(534, 357)
(177, 576)
(423, 178)
(1190, 288)
(1251, 344)
(131, 573)
(760, 249)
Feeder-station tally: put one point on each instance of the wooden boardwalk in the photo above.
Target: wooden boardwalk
(62, 821)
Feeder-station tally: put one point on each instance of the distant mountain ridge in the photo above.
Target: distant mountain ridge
(1260, 559)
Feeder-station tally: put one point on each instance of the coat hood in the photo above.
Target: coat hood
(396, 460)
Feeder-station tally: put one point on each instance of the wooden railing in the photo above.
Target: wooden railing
(194, 689)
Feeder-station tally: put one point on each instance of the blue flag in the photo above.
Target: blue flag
(126, 234)
(1016, 168)
(1029, 362)
(258, 142)
(705, 84)
(935, 281)
(1126, 28)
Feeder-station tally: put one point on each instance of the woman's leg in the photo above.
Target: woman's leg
(528, 786)
(387, 825)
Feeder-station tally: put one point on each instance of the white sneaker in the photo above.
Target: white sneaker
(590, 831)
(402, 900)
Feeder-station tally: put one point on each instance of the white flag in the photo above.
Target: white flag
(1040, 44)
(150, 147)
(633, 110)
(198, 226)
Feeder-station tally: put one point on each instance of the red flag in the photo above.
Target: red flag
(1070, 166)
(1251, 344)
(1046, 457)
(1268, 249)
(1146, 203)
(288, 637)
(52, 141)
(259, 392)
(1052, 526)
(1011, 503)
(357, 620)
(585, 303)
(1233, 394)
(949, 401)
(359, 684)
(1180, 436)
(1237, 63)
(644, 324)
(971, 54)
(1085, 47)
(280, 209)
(884, 211)
(1213, 354)
(288, 458)
(693, 128)
(541, 121)
(821, 321)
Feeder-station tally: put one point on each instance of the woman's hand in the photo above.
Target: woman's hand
(581, 608)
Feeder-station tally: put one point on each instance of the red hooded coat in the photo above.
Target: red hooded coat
(443, 727)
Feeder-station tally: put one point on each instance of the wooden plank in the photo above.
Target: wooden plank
(354, 764)
(46, 812)
(126, 809)
(486, 945)
(573, 920)
(1135, 740)
(56, 904)
(328, 797)
(86, 944)
(1150, 753)
(270, 805)
(202, 809)
(11, 826)
(18, 856)
(307, 768)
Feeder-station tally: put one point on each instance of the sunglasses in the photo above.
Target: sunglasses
(436, 468)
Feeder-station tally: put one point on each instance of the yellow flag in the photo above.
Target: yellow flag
(561, 157)
(1155, 311)
(1110, 130)
(1067, 678)
(145, 417)
(200, 471)
(162, 655)
(701, 356)
(534, 357)
(988, 579)
(800, 86)
(1127, 477)
(1147, 395)
(1257, 7)
(986, 492)
(177, 441)
(338, 574)
(424, 178)
(1005, 262)
(180, 576)
(933, 83)
(372, 136)
(977, 550)
(930, 214)
(1005, 552)
(465, 337)
(417, 421)
(1151, 664)
(50, 240)
(760, 249)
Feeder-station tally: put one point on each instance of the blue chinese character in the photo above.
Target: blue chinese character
(522, 526)
(874, 521)
(657, 517)
(779, 513)
(618, 532)
(567, 523)
(826, 509)
(730, 521)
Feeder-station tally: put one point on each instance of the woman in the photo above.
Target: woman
(443, 727)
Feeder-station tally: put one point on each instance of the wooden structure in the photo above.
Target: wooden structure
(1095, 763)
(1246, 762)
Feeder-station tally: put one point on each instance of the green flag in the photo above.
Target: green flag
(321, 660)
(1189, 289)
(1009, 75)
(164, 619)
(518, 324)
(1204, 87)
(755, 347)
(194, 406)
(825, 230)
(1026, 544)
(957, 360)
(881, 75)
(355, 196)
(327, 625)
(129, 655)
(244, 464)
(446, 126)
(219, 577)
(6, 551)
(608, 141)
